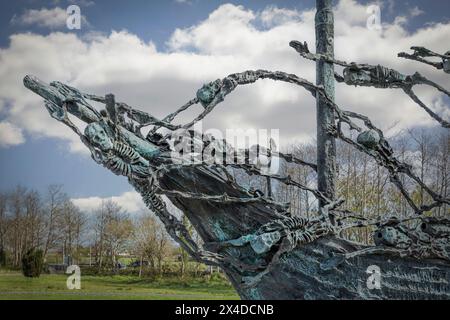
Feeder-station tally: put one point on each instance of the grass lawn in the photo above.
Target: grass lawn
(14, 286)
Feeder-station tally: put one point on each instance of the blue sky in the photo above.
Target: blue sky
(156, 20)
(43, 159)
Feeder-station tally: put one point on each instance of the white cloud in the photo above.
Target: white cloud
(50, 18)
(272, 15)
(416, 11)
(54, 18)
(10, 135)
(129, 201)
(227, 41)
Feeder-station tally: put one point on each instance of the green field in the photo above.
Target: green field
(14, 286)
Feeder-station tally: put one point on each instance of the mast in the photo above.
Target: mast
(326, 145)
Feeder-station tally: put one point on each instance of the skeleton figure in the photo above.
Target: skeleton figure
(120, 158)
(356, 74)
(372, 76)
(285, 234)
(429, 239)
(381, 77)
(117, 156)
(296, 230)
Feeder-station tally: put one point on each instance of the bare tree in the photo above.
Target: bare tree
(56, 199)
(33, 221)
(71, 226)
(150, 242)
(113, 228)
(3, 220)
(16, 203)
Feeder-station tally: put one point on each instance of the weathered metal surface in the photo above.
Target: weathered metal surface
(299, 274)
(326, 145)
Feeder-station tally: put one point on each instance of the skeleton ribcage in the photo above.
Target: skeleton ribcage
(126, 152)
(297, 229)
(124, 160)
(385, 76)
(290, 223)
(118, 166)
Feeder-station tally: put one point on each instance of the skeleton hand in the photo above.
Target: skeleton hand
(332, 130)
(55, 111)
(423, 52)
(299, 47)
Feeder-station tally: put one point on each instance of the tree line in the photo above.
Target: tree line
(363, 184)
(31, 220)
(52, 223)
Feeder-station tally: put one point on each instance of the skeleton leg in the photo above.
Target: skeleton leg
(338, 259)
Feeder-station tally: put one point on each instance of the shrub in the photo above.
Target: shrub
(2, 257)
(32, 263)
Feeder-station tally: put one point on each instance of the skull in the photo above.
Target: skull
(356, 76)
(391, 237)
(369, 139)
(98, 136)
(265, 241)
(207, 93)
(435, 227)
(386, 236)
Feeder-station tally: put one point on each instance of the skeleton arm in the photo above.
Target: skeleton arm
(420, 53)
(302, 49)
(63, 98)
